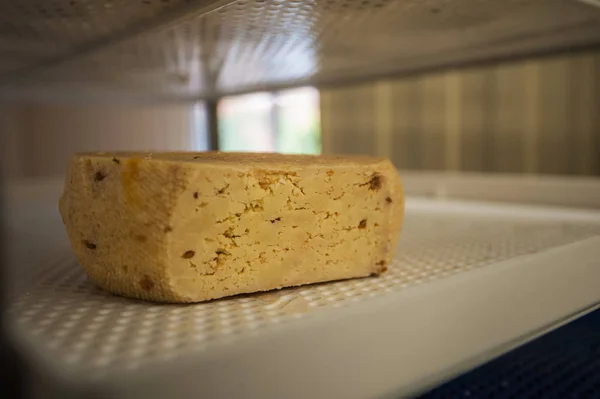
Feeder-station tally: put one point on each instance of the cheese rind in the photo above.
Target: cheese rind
(189, 227)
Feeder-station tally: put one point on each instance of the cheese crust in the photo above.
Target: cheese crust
(190, 227)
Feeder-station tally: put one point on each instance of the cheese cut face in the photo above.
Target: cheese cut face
(189, 227)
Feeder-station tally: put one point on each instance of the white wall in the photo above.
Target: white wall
(11, 126)
(56, 132)
(37, 141)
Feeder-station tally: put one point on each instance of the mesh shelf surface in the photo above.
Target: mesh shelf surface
(35, 31)
(185, 49)
(92, 334)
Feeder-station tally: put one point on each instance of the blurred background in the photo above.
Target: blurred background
(538, 115)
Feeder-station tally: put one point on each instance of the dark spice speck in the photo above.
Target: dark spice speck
(188, 254)
(375, 183)
(89, 244)
(99, 176)
(147, 283)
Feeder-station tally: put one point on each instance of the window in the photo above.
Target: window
(199, 139)
(285, 121)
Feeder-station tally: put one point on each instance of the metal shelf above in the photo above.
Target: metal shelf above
(470, 281)
(185, 49)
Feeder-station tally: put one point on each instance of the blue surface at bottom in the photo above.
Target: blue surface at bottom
(562, 364)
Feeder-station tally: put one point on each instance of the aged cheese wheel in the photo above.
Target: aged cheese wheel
(188, 227)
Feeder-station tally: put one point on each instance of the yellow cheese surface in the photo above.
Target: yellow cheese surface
(189, 227)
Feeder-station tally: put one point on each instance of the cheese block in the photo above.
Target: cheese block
(189, 227)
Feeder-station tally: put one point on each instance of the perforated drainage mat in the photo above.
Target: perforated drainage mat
(82, 328)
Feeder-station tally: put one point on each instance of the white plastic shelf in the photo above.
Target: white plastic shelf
(469, 281)
(186, 49)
